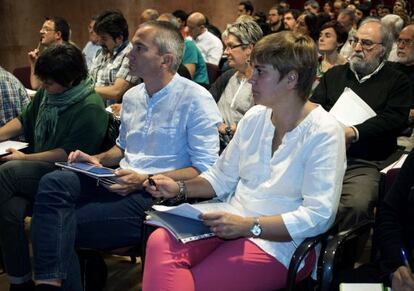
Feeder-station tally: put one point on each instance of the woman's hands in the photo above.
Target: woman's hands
(228, 226)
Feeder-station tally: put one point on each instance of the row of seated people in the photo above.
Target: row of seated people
(183, 143)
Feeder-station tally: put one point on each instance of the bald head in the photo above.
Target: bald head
(405, 43)
(196, 24)
(198, 18)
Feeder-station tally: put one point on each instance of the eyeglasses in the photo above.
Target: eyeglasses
(366, 44)
(233, 46)
(405, 42)
(46, 29)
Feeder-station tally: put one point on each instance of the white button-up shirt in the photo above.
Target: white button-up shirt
(301, 181)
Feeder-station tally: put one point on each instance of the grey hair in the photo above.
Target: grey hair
(247, 32)
(170, 18)
(394, 22)
(387, 38)
(168, 39)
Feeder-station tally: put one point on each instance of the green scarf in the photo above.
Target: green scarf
(52, 106)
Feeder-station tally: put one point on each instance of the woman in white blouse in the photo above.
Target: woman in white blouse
(282, 171)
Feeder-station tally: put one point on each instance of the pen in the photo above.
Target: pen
(405, 259)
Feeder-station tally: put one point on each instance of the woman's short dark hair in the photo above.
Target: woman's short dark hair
(341, 33)
(289, 51)
(112, 22)
(63, 63)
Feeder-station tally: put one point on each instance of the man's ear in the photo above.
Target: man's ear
(119, 40)
(58, 34)
(168, 60)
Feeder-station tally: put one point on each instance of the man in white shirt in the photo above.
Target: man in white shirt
(210, 46)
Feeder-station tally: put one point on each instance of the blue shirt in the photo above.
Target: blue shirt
(173, 129)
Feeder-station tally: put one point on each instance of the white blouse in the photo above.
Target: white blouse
(302, 180)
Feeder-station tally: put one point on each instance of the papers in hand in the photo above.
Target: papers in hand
(9, 144)
(183, 221)
(194, 211)
(350, 109)
(88, 169)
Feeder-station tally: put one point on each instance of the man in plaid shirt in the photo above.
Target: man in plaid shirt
(13, 97)
(110, 67)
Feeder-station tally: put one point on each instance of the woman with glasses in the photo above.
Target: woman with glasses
(285, 166)
(232, 89)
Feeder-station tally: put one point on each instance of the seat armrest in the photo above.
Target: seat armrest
(299, 255)
(334, 244)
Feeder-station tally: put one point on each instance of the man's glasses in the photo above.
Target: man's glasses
(405, 42)
(366, 44)
(46, 29)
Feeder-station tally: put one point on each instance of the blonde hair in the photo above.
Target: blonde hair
(287, 51)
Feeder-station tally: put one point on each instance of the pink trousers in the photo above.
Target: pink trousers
(212, 264)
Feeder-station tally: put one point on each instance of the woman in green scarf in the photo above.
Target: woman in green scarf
(66, 114)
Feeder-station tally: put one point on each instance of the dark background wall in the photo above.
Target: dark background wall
(20, 20)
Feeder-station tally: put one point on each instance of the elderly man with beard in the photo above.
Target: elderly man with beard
(387, 92)
(405, 54)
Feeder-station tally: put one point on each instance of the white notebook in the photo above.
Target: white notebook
(11, 144)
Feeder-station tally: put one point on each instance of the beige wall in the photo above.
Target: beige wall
(21, 19)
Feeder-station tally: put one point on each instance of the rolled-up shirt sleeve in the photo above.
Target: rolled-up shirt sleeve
(202, 129)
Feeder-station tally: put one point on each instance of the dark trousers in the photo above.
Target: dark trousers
(72, 211)
(359, 193)
(18, 186)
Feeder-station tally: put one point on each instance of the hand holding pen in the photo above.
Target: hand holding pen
(403, 278)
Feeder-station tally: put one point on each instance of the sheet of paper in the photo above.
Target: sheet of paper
(11, 144)
(31, 93)
(350, 109)
(194, 210)
(396, 165)
(361, 287)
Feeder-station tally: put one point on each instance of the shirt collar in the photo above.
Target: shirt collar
(365, 78)
(164, 91)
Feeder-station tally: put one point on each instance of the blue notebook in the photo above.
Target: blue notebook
(183, 228)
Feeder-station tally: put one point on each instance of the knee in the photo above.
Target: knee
(15, 210)
(159, 237)
(58, 185)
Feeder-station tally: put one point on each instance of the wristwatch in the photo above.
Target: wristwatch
(256, 229)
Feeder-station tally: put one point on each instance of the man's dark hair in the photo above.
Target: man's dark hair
(63, 63)
(248, 6)
(61, 25)
(181, 14)
(295, 13)
(112, 22)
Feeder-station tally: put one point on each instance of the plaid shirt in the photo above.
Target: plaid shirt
(13, 97)
(106, 69)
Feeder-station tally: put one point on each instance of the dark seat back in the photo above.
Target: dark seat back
(213, 72)
(23, 75)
